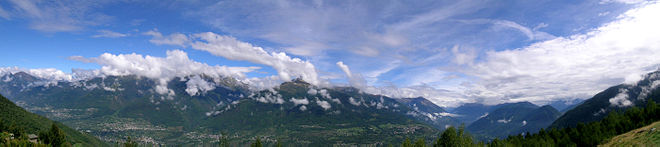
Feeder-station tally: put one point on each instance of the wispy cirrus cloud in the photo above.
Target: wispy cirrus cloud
(58, 16)
(108, 34)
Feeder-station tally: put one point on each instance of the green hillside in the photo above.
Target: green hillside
(645, 136)
(30, 123)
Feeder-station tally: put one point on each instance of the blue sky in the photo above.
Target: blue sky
(439, 49)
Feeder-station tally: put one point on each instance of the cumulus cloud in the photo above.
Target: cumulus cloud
(108, 34)
(354, 101)
(621, 99)
(196, 84)
(176, 64)
(324, 104)
(231, 48)
(302, 101)
(50, 74)
(576, 66)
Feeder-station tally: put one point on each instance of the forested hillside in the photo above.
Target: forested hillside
(16, 120)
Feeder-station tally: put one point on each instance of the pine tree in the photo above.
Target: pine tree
(407, 143)
(420, 143)
(222, 140)
(257, 143)
(130, 142)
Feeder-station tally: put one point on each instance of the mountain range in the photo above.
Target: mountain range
(115, 107)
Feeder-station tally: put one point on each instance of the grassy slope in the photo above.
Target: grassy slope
(638, 137)
(32, 123)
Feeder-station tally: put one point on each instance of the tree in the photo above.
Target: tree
(55, 136)
(278, 144)
(222, 140)
(420, 143)
(257, 143)
(130, 142)
(407, 143)
(448, 138)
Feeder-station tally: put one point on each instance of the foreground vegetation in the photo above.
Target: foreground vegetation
(648, 135)
(15, 120)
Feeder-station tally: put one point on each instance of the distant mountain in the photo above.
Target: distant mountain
(10, 114)
(513, 118)
(470, 112)
(436, 115)
(115, 107)
(615, 98)
(565, 105)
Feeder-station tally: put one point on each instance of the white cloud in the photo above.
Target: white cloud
(621, 99)
(465, 55)
(324, 104)
(532, 34)
(311, 91)
(504, 120)
(49, 74)
(482, 116)
(302, 101)
(440, 97)
(524, 122)
(172, 39)
(176, 64)
(233, 49)
(196, 84)
(447, 114)
(344, 68)
(575, 66)
(108, 34)
(271, 97)
(303, 108)
(356, 80)
(354, 101)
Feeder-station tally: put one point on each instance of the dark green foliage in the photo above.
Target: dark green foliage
(223, 142)
(130, 142)
(278, 144)
(590, 134)
(257, 143)
(54, 136)
(16, 120)
(420, 143)
(407, 143)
